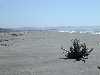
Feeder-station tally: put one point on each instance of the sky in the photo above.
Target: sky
(30, 13)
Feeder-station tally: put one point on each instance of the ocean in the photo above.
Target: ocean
(81, 29)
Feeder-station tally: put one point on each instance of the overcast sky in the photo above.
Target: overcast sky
(28, 13)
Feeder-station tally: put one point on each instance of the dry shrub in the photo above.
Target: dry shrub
(78, 51)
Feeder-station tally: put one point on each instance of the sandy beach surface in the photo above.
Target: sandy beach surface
(39, 53)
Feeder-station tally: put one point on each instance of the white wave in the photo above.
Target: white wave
(61, 31)
(91, 32)
(64, 31)
(97, 33)
(68, 31)
(72, 32)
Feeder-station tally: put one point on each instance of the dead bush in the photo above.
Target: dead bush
(78, 51)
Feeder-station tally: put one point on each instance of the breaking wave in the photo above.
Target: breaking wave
(91, 32)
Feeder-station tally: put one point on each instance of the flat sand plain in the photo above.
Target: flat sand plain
(39, 53)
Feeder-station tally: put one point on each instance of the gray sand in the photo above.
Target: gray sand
(39, 53)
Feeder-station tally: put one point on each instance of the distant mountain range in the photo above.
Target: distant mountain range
(59, 28)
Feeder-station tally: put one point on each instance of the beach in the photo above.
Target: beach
(39, 53)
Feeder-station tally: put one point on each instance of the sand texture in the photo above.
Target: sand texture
(39, 53)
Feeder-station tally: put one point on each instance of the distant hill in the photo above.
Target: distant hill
(36, 29)
(5, 30)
